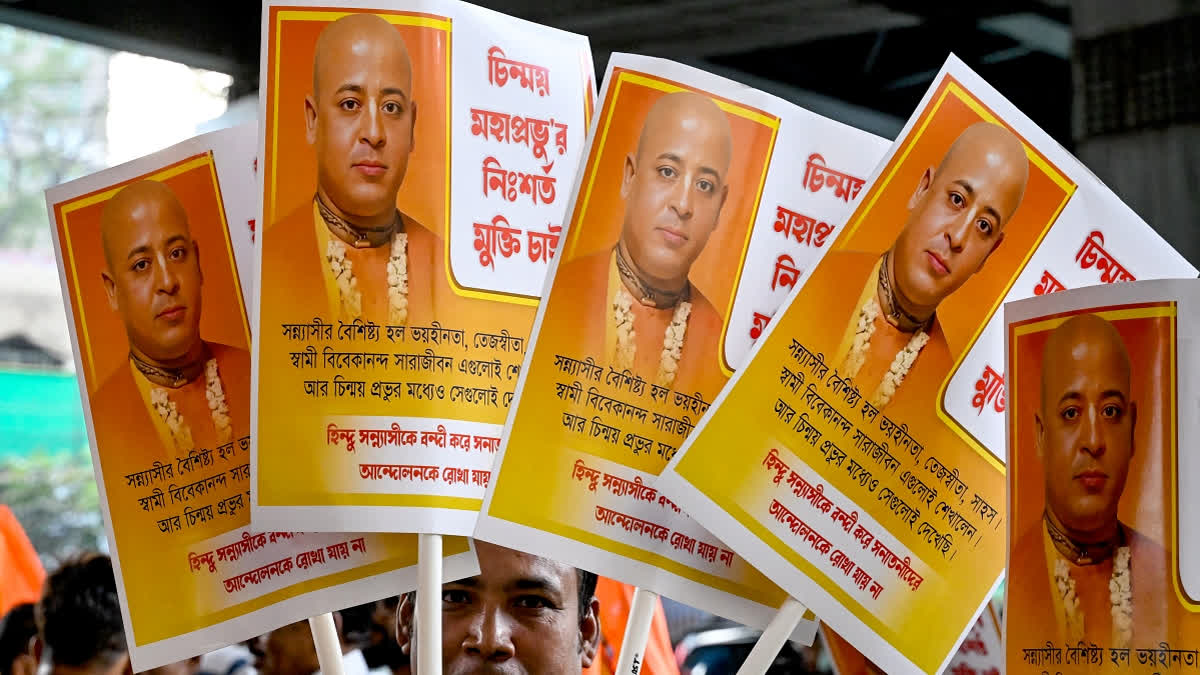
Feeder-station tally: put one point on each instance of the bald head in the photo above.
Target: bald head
(360, 35)
(361, 116)
(1085, 425)
(674, 187)
(144, 202)
(152, 274)
(997, 149)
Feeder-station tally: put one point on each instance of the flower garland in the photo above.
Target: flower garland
(218, 408)
(347, 283)
(1120, 597)
(901, 364)
(214, 391)
(181, 434)
(626, 352)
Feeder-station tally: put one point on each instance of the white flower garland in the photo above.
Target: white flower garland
(626, 352)
(181, 434)
(1120, 597)
(901, 364)
(218, 408)
(347, 283)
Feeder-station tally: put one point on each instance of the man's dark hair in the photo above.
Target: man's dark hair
(79, 616)
(16, 629)
(587, 588)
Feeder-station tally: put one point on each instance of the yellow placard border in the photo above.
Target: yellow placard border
(951, 87)
(65, 209)
(641, 79)
(1156, 310)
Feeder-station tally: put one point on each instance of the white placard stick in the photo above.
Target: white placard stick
(429, 615)
(637, 632)
(773, 636)
(329, 647)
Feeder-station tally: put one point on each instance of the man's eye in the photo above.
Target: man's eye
(957, 199)
(985, 227)
(178, 253)
(1112, 411)
(1070, 413)
(348, 104)
(705, 186)
(533, 602)
(455, 597)
(666, 172)
(141, 265)
(392, 108)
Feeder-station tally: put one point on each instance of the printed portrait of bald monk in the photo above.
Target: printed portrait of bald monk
(178, 392)
(638, 308)
(349, 250)
(1078, 573)
(956, 218)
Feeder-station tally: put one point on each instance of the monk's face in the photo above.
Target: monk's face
(674, 187)
(958, 213)
(1085, 425)
(153, 277)
(361, 116)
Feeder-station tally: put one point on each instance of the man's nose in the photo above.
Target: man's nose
(372, 126)
(490, 635)
(1091, 439)
(958, 229)
(681, 199)
(167, 277)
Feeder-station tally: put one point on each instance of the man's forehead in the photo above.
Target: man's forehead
(358, 48)
(507, 568)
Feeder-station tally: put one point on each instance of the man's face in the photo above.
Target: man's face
(154, 279)
(288, 651)
(956, 219)
(519, 616)
(674, 188)
(1085, 431)
(360, 121)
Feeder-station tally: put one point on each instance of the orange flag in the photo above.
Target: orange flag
(21, 572)
(615, 600)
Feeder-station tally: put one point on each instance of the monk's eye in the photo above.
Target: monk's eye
(1070, 413)
(141, 265)
(985, 227)
(1112, 411)
(178, 253)
(392, 108)
(705, 185)
(349, 104)
(957, 200)
(667, 171)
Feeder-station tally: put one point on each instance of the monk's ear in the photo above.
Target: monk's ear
(196, 252)
(404, 623)
(1039, 436)
(1132, 426)
(412, 129)
(110, 290)
(724, 195)
(922, 187)
(589, 634)
(310, 119)
(627, 175)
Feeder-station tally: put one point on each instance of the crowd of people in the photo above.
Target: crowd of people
(521, 613)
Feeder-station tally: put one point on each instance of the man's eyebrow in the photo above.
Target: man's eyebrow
(970, 190)
(966, 186)
(138, 251)
(536, 583)
(394, 91)
(1113, 393)
(350, 87)
(1070, 396)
